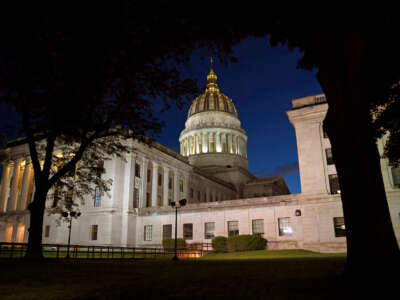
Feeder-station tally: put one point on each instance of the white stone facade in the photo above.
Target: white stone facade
(136, 212)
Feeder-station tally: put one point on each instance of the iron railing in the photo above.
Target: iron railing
(17, 250)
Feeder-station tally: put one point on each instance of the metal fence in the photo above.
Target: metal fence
(18, 250)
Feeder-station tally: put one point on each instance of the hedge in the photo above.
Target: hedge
(170, 243)
(246, 242)
(219, 244)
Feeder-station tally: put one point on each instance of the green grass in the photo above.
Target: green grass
(291, 274)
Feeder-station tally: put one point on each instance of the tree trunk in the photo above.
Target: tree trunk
(36, 209)
(371, 242)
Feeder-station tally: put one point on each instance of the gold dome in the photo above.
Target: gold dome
(212, 99)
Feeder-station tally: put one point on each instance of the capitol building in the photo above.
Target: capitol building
(211, 172)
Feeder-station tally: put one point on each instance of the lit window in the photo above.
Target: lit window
(135, 198)
(97, 197)
(209, 230)
(340, 228)
(188, 231)
(167, 231)
(329, 157)
(148, 232)
(137, 170)
(285, 227)
(47, 231)
(94, 229)
(158, 200)
(334, 184)
(258, 226)
(233, 228)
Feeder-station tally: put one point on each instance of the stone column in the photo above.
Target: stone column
(26, 186)
(205, 142)
(229, 138)
(127, 195)
(11, 205)
(176, 185)
(244, 148)
(218, 147)
(165, 186)
(197, 143)
(5, 182)
(143, 193)
(154, 185)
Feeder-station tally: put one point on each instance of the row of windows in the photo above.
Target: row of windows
(284, 225)
(203, 197)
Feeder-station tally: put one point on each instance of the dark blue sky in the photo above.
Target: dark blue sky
(261, 85)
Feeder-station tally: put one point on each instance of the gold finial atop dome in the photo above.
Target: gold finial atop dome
(212, 79)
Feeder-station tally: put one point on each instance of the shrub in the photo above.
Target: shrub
(219, 244)
(246, 242)
(170, 243)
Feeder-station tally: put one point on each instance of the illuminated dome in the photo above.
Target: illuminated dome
(212, 99)
(213, 137)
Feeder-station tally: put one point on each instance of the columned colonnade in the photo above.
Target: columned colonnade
(153, 182)
(213, 141)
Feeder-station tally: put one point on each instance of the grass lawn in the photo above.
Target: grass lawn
(291, 274)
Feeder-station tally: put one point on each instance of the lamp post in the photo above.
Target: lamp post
(69, 216)
(175, 204)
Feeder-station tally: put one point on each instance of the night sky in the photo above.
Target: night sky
(261, 85)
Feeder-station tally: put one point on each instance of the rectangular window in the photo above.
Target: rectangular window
(167, 231)
(205, 197)
(198, 196)
(191, 193)
(170, 183)
(396, 177)
(329, 157)
(148, 232)
(340, 228)
(137, 170)
(209, 230)
(159, 180)
(159, 201)
(148, 200)
(47, 231)
(285, 227)
(148, 175)
(188, 231)
(169, 201)
(135, 198)
(233, 228)
(181, 186)
(258, 226)
(97, 197)
(94, 231)
(334, 184)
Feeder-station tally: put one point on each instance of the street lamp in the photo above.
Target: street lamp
(69, 216)
(175, 204)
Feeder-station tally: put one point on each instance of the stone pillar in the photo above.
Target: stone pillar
(12, 202)
(5, 182)
(218, 146)
(27, 183)
(165, 186)
(205, 142)
(176, 185)
(127, 195)
(229, 138)
(154, 185)
(143, 193)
